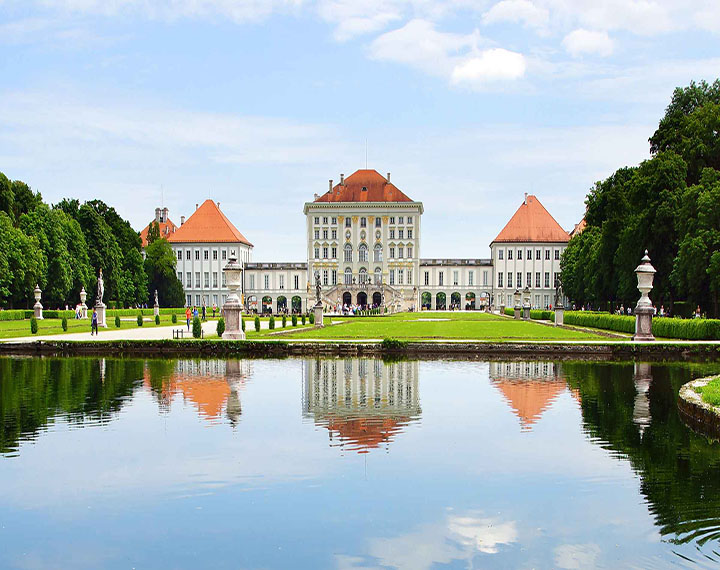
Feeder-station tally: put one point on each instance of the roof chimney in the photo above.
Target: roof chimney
(330, 186)
(525, 201)
(315, 196)
(218, 205)
(182, 220)
(164, 214)
(157, 214)
(342, 179)
(196, 206)
(388, 178)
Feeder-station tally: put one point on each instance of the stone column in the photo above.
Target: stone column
(37, 307)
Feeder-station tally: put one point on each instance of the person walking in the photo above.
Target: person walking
(188, 314)
(203, 313)
(94, 323)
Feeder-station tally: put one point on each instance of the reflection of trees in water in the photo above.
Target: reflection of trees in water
(679, 470)
(34, 391)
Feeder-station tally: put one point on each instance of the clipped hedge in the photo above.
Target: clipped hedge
(663, 327)
(539, 315)
(15, 315)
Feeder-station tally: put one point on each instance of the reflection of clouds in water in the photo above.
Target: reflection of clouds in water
(572, 556)
(457, 538)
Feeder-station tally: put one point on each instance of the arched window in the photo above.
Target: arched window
(348, 253)
(378, 252)
(348, 276)
(363, 275)
(362, 253)
(378, 276)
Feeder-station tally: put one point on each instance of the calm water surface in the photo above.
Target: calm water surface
(352, 464)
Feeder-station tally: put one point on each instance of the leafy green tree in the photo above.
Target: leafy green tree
(20, 264)
(153, 233)
(160, 264)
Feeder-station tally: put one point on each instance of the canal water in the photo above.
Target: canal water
(355, 463)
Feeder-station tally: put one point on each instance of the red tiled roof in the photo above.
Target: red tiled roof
(529, 399)
(364, 186)
(166, 230)
(532, 223)
(208, 224)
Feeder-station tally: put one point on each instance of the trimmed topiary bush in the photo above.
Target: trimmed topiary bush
(303, 319)
(33, 325)
(173, 319)
(117, 322)
(220, 327)
(257, 324)
(157, 319)
(196, 328)
(140, 320)
(311, 318)
(284, 321)
(272, 323)
(242, 324)
(64, 324)
(293, 320)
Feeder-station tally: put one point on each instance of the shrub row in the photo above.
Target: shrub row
(687, 329)
(15, 315)
(535, 314)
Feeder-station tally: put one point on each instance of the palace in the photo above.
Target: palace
(363, 239)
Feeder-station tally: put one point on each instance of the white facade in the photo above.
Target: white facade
(276, 287)
(199, 269)
(455, 283)
(532, 264)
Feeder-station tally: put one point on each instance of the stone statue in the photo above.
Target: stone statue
(317, 286)
(157, 303)
(558, 292)
(100, 288)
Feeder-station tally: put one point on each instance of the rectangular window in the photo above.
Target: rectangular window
(378, 222)
(401, 220)
(401, 276)
(317, 253)
(509, 279)
(409, 220)
(197, 255)
(267, 281)
(392, 253)
(400, 253)
(348, 223)
(519, 255)
(557, 254)
(197, 300)
(188, 279)
(189, 300)
(179, 254)
(470, 278)
(485, 276)
(392, 233)
(528, 254)
(363, 222)
(401, 234)
(224, 254)
(334, 253)
(528, 279)
(409, 252)
(215, 279)
(197, 280)
(325, 234)
(409, 233)
(215, 300)
(519, 280)
(348, 255)
(392, 277)
(187, 255)
(317, 234)
(500, 279)
(441, 278)
(206, 279)
(547, 279)
(224, 283)
(317, 219)
(392, 219)
(325, 276)
(334, 277)
(325, 220)
(252, 281)
(500, 254)
(509, 254)
(547, 254)
(325, 253)
(214, 254)
(455, 277)
(334, 220)
(537, 254)
(427, 278)
(297, 282)
(537, 281)
(282, 282)
(206, 255)
(333, 234)
(180, 276)
(409, 277)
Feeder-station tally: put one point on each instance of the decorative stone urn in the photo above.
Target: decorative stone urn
(83, 306)
(526, 303)
(233, 306)
(644, 310)
(37, 307)
(517, 298)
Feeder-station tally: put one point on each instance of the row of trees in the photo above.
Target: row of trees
(669, 205)
(63, 247)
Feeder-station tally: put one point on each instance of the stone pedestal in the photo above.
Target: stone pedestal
(643, 323)
(37, 307)
(100, 310)
(559, 316)
(502, 309)
(526, 312)
(156, 310)
(233, 313)
(518, 311)
(83, 306)
(318, 312)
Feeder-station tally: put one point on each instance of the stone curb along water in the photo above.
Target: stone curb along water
(466, 350)
(702, 417)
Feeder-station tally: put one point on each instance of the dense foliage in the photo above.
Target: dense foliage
(669, 205)
(160, 263)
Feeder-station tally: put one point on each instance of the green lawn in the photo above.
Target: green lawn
(431, 326)
(12, 329)
(710, 393)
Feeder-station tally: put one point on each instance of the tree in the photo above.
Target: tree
(20, 264)
(153, 232)
(159, 266)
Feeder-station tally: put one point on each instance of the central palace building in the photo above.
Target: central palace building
(364, 238)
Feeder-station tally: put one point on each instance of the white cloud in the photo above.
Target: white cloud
(357, 18)
(581, 42)
(517, 11)
(491, 65)
(576, 556)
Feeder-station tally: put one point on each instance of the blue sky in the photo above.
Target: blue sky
(257, 104)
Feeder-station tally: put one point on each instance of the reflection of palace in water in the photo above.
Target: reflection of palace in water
(363, 403)
(529, 387)
(213, 386)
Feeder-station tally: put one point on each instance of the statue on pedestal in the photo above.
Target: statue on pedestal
(558, 292)
(318, 287)
(100, 289)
